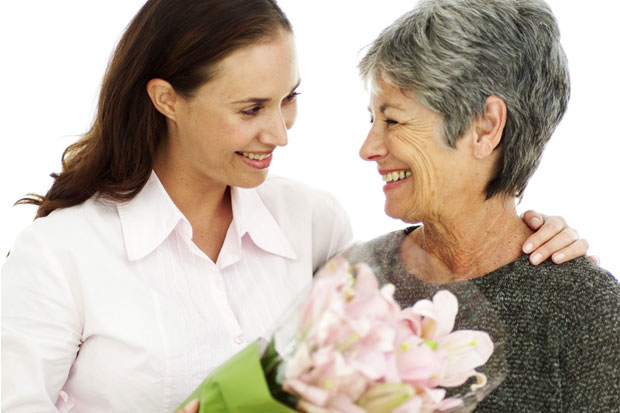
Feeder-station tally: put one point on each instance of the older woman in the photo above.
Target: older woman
(465, 95)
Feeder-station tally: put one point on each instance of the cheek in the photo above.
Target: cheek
(204, 128)
(416, 151)
(412, 149)
(289, 112)
(231, 132)
(240, 135)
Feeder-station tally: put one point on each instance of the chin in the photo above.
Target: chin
(250, 181)
(392, 211)
(402, 212)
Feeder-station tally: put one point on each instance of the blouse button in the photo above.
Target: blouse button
(240, 339)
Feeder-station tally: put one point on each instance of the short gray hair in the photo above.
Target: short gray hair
(454, 54)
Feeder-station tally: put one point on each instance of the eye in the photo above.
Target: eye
(390, 122)
(253, 111)
(292, 97)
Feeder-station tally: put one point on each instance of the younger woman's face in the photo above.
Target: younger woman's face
(226, 133)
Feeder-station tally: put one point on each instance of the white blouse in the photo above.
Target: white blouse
(111, 307)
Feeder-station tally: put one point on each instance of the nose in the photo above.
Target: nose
(373, 147)
(275, 131)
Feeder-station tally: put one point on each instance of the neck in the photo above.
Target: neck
(467, 242)
(207, 207)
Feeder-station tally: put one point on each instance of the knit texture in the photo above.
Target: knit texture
(560, 325)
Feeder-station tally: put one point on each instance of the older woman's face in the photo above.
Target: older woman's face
(421, 173)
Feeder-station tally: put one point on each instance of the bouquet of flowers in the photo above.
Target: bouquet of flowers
(355, 351)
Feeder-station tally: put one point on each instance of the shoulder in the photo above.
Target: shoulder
(574, 294)
(584, 289)
(71, 228)
(386, 245)
(54, 255)
(313, 217)
(578, 279)
(380, 253)
(290, 200)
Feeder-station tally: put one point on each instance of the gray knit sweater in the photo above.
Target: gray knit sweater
(560, 325)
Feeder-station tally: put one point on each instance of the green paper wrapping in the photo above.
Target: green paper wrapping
(237, 386)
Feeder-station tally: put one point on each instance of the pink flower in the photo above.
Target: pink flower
(465, 349)
(438, 314)
(329, 283)
(419, 363)
(358, 351)
(385, 397)
(368, 301)
(308, 392)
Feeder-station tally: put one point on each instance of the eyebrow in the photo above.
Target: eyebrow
(386, 106)
(263, 100)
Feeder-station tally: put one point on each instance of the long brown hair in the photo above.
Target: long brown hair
(176, 40)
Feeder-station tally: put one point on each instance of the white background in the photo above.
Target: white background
(54, 54)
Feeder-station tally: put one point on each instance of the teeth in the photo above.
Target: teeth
(256, 156)
(396, 175)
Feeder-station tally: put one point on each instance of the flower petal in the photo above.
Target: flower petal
(449, 403)
(342, 404)
(411, 320)
(365, 280)
(418, 363)
(312, 394)
(413, 405)
(299, 363)
(442, 310)
(467, 349)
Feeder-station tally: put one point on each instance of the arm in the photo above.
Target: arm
(590, 349)
(553, 238)
(41, 327)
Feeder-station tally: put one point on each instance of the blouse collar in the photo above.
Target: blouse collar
(151, 216)
(251, 216)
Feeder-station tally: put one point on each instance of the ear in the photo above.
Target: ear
(163, 97)
(489, 127)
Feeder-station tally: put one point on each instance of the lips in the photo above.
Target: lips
(257, 156)
(394, 178)
(257, 160)
(395, 175)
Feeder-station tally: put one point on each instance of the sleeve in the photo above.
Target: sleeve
(331, 230)
(590, 354)
(41, 324)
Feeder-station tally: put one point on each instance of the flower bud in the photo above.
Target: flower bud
(385, 397)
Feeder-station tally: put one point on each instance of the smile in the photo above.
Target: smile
(255, 156)
(396, 175)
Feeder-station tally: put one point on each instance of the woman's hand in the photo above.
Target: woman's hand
(191, 407)
(553, 238)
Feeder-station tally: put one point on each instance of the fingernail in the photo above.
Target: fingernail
(558, 257)
(536, 258)
(528, 247)
(536, 221)
(191, 405)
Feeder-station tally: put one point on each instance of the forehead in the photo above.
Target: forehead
(265, 65)
(385, 96)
